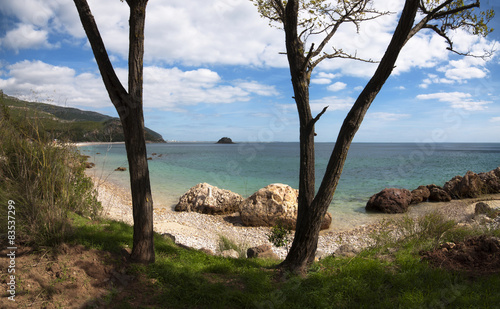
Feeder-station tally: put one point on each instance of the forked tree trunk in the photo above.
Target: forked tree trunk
(129, 108)
(310, 213)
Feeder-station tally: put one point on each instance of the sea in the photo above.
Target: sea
(244, 168)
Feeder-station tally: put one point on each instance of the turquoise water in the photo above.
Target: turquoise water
(244, 168)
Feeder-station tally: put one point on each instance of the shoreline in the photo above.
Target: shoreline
(199, 231)
(81, 144)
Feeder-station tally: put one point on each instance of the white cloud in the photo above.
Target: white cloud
(327, 75)
(33, 12)
(495, 119)
(37, 20)
(333, 103)
(383, 116)
(465, 42)
(36, 80)
(169, 89)
(184, 32)
(323, 78)
(444, 96)
(257, 88)
(25, 37)
(337, 86)
(434, 79)
(424, 50)
(321, 81)
(470, 105)
(463, 69)
(458, 100)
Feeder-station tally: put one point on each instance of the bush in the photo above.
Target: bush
(45, 180)
(422, 232)
(279, 235)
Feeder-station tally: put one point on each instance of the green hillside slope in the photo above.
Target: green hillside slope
(70, 124)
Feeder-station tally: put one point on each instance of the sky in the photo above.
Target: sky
(216, 68)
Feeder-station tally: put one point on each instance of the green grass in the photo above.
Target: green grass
(185, 278)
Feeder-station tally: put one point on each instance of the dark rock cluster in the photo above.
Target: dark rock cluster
(471, 185)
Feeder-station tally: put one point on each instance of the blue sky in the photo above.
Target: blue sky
(214, 68)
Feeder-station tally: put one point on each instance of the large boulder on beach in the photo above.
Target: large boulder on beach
(471, 185)
(390, 200)
(420, 194)
(208, 199)
(491, 181)
(438, 194)
(273, 204)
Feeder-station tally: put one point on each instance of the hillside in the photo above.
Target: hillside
(71, 124)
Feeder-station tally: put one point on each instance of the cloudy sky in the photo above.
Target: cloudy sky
(214, 68)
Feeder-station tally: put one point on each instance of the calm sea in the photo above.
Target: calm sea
(244, 168)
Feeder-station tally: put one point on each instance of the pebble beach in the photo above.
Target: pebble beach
(199, 231)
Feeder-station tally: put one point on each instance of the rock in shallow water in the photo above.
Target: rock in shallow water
(390, 200)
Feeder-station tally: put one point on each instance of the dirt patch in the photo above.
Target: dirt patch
(68, 276)
(477, 256)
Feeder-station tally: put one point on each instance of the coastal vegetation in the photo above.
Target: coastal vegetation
(70, 124)
(46, 181)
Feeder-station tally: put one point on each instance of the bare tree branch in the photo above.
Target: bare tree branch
(319, 115)
(340, 54)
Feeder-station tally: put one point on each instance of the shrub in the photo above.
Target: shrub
(279, 235)
(45, 180)
(418, 233)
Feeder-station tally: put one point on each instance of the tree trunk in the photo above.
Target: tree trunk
(309, 220)
(129, 108)
(142, 201)
(300, 81)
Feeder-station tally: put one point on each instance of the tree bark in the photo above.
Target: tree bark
(300, 81)
(129, 107)
(310, 214)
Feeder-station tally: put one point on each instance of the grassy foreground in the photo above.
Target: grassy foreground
(389, 275)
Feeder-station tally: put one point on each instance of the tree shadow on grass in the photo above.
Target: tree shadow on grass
(180, 278)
